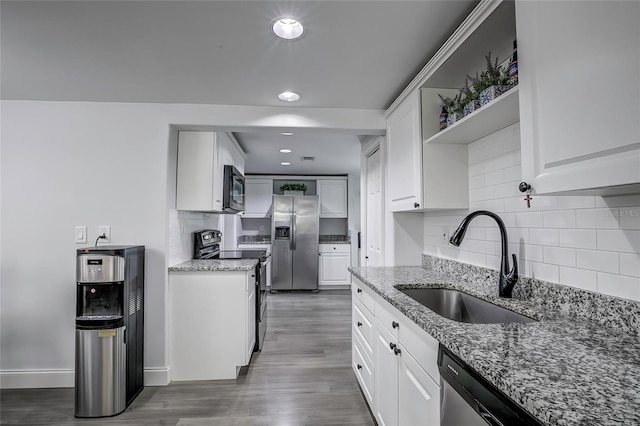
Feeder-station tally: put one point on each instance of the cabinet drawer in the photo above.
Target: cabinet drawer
(388, 316)
(361, 292)
(363, 327)
(364, 371)
(335, 248)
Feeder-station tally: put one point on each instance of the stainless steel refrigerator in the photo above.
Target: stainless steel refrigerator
(295, 229)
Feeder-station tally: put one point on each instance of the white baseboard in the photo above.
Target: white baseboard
(30, 379)
(334, 287)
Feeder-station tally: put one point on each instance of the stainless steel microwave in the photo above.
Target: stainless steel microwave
(233, 196)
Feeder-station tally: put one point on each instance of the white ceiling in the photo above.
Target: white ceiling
(354, 54)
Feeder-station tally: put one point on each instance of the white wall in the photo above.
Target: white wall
(588, 242)
(79, 163)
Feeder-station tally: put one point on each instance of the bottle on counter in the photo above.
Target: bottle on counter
(513, 66)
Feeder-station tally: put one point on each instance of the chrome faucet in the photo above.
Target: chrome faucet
(508, 278)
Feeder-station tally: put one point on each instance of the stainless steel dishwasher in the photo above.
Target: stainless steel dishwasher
(468, 399)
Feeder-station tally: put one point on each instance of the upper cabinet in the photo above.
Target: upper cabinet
(200, 173)
(427, 169)
(332, 194)
(580, 96)
(258, 196)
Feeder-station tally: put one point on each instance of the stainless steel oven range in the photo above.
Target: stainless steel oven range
(261, 287)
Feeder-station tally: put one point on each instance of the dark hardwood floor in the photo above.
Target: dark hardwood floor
(303, 376)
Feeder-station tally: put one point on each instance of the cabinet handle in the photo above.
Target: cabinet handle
(416, 205)
(366, 257)
(396, 351)
(359, 367)
(359, 290)
(395, 324)
(392, 346)
(359, 324)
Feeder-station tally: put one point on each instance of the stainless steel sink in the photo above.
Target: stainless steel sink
(462, 307)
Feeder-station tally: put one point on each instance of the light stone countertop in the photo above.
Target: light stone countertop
(215, 265)
(564, 370)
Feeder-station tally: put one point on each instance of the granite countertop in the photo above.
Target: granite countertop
(563, 370)
(334, 239)
(254, 239)
(215, 265)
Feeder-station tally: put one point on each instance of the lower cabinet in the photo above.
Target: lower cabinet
(405, 391)
(212, 321)
(334, 260)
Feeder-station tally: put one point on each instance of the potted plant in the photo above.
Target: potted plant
(471, 95)
(495, 78)
(453, 107)
(293, 188)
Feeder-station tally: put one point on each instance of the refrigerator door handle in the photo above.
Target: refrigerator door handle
(293, 230)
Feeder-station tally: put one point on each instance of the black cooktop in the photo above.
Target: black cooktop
(242, 254)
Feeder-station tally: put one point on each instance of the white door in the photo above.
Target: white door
(373, 241)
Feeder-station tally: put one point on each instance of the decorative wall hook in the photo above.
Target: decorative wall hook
(525, 187)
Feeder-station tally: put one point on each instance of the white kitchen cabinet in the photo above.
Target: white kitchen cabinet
(404, 155)
(258, 196)
(332, 195)
(200, 171)
(211, 323)
(232, 154)
(403, 365)
(334, 261)
(579, 96)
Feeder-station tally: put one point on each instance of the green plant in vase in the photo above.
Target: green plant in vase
(495, 79)
(300, 187)
(469, 97)
(453, 107)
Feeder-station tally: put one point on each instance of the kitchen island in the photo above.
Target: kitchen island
(578, 364)
(212, 318)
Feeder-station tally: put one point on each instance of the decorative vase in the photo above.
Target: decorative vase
(286, 192)
(452, 118)
(471, 106)
(491, 92)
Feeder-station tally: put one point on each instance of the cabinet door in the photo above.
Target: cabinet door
(386, 378)
(332, 195)
(333, 268)
(579, 63)
(199, 173)
(404, 155)
(418, 394)
(250, 310)
(258, 195)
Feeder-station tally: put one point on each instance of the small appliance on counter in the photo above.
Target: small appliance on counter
(206, 243)
(109, 364)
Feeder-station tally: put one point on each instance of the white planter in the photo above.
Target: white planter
(293, 192)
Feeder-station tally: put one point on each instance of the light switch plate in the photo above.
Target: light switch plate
(81, 235)
(106, 230)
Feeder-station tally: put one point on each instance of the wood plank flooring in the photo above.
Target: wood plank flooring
(303, 376)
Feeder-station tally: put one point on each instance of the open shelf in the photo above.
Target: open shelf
(496, 115)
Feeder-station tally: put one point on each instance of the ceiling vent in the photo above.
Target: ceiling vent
(308, 159)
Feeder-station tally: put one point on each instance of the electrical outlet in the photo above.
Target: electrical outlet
(106, 231)
(445, 235)
(81, 235)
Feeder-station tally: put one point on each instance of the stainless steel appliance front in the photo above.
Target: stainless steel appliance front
(295, 230)
(99, 268)
(101, 391)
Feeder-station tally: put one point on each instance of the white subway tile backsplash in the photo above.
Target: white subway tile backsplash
(529, 219)
(544, 237)
(559, 256)
(629, 217)
(559, 219)
(619, 286)
(595, 260)
(577, 238)
(580, 278)
(589, 242)
(630, 264)
(597, 218)
(627, 241)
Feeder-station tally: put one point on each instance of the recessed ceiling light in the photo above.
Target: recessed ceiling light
(289, 96)
(287, 133)
(285, 163)
(285, 150)
(287, 27)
